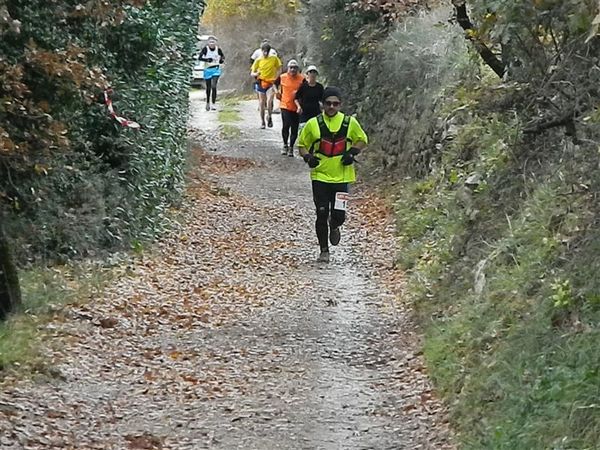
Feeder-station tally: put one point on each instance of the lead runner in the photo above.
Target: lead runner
(328, 143)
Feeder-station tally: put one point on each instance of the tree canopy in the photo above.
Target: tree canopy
(220, 11)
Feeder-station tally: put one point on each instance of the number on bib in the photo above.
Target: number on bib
(341, 201)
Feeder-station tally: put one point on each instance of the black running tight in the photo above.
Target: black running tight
(211, 88)
(291, 121)
(324, 198)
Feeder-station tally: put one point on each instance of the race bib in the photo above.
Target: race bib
(341, 201)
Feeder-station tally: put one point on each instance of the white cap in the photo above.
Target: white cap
(212, 40)
(311, 68)
(292, 63)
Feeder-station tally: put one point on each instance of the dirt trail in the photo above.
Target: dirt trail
(230, 336)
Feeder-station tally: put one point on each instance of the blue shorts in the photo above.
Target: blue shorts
(212, 72)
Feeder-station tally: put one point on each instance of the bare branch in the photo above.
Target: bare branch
(567, 120)
(486, 54)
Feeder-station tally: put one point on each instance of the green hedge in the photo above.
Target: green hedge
(78, 182)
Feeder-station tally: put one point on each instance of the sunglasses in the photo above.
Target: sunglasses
(328, 103)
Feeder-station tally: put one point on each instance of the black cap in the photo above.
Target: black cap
(332, 91)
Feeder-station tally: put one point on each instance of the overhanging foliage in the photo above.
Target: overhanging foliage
(71, 179)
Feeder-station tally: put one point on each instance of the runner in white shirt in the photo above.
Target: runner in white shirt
(213, 57)
(258, 52)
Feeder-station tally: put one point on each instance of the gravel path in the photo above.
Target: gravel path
(231, 336)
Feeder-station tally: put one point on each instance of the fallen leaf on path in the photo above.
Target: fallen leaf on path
(109, 322)
(144, 442)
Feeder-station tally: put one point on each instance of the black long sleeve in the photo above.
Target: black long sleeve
(202, 55)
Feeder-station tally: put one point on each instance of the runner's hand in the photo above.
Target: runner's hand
(347, 159)
(299, 109)
(348, 156)
(311, 160)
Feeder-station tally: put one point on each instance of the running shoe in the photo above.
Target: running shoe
(214, 107)
(323, 257)
(262, 127)
(335, 235)
(284, 150)
(291, 151)
(270, 122)
(208, 106)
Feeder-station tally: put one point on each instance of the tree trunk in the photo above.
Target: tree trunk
(10, 291)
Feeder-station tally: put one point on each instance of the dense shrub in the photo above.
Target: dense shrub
(72, 181)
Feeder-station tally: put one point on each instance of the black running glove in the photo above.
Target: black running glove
(347, 159)
(311, 160)
(348, 156)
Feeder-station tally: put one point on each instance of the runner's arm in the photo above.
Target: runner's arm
(321, 91)
(279, 87)
(305, 139)
(298, 93)
(361, 145)
(202, 56)
(302, 151)
(254, 69)
(357, 134)
(222, 55)
(298, 97)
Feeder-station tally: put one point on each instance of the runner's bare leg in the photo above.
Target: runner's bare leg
(270, 98)
(262, 102)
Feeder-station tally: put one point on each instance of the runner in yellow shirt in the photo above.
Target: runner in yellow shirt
(328, 143)
(266, 70)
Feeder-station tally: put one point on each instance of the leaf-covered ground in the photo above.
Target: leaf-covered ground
(229, 335)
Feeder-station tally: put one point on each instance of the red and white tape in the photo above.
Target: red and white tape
(111, 111)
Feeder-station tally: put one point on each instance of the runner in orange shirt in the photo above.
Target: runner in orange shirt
(287, 85)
